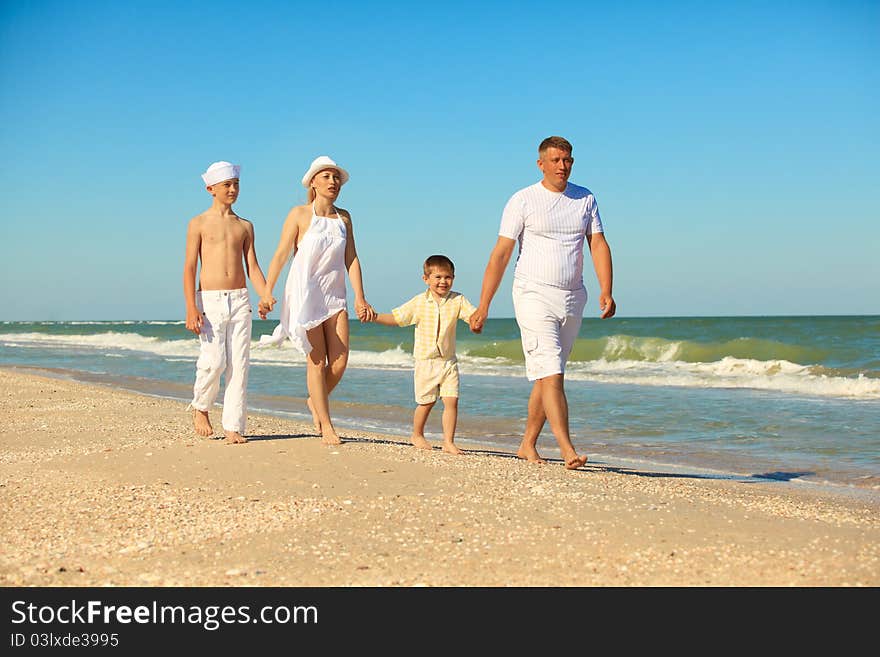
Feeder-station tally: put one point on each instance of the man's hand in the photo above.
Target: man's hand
(607, 306)
(194, 320)
(478, 320)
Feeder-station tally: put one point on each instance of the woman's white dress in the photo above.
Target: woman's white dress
(315, 288)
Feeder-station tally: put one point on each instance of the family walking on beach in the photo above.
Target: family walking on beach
(550, 220)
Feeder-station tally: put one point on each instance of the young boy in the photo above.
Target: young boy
(220, 311)
(435, 313)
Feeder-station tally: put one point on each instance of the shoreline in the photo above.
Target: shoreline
(102, 486)
(378, 420)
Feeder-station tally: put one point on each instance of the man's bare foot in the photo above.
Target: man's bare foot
(420, 442)
(315, 421)
(201, 423)
(575, 462)
(530, 455)
(451, 448)
(235, 438)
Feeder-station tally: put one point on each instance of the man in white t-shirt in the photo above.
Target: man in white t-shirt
(551, 220)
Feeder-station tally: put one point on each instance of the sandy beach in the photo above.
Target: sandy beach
(105, 487)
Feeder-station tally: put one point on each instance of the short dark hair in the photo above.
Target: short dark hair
(439, 261)
(555, 142)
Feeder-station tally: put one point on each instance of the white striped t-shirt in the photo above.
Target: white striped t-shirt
(550, 228)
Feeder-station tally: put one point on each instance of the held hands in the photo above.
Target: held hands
(365, 312)
(478, 320)
(607, 306)
(267, 303)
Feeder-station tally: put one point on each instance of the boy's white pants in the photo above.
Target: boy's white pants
(225, 348)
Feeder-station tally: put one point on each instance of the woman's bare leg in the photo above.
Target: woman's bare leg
(337, 340)
(316, 379)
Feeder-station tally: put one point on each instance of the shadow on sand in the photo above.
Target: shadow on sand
(591, 466)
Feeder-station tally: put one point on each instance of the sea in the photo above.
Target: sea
(794, 400)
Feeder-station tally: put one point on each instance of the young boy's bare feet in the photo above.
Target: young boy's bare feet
(235, 438)
(451, 448)
(420, 442)
(315, 421)
(530, 455)
(575, 462)
(201, 423)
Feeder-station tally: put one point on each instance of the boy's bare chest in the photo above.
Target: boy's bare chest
(226, 234)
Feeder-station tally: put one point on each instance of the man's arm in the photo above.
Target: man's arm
(190, 270)
(495, 269)
(601, 254)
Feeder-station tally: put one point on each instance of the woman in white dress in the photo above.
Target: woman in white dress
(314, 317)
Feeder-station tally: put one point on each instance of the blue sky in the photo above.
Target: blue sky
(733, 149)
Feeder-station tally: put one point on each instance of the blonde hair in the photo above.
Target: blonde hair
(312, 193)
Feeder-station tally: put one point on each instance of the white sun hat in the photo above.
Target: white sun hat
(220, 171)
(319, 164)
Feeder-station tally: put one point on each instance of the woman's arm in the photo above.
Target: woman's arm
(286, 246)
(365, 312)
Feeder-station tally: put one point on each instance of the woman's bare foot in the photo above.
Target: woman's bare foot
(315, 421)
(201, 423)
(451, 448)
(235, 438)
(575, 462)
(530, 454)
(420, 442)
(330, 437)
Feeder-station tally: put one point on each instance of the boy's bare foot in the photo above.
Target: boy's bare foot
(451, 448)
(315, 421)
(530, 455)
(575, 462)
(420, 442)
(235, 438)
(201, 423)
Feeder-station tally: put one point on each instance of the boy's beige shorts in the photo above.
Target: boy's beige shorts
(435, 377)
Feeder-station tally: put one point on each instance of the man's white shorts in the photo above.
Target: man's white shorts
(549, 319)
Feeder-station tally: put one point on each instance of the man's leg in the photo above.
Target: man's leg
(534, 425)
(556, 410)
(548, 330)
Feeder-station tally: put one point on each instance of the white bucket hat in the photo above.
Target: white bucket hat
(319, 164)
(220, 171)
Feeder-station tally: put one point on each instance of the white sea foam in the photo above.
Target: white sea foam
(125, 342)
(774, 375)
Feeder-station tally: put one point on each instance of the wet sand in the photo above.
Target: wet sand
(105, 487)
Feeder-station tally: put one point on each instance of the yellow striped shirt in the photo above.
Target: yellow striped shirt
(435, 322)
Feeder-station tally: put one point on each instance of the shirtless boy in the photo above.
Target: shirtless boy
(219, 312)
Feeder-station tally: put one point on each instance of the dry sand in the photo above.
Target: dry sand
(105, 487)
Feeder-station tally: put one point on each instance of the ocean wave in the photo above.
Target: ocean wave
(775, 375)
(658, 350)
(659, 362)
(111, 340)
